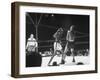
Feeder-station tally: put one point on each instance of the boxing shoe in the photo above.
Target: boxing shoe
(62, 62)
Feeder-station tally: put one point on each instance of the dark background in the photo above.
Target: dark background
(43, 26)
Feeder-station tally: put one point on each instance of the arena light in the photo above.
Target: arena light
(52, 15)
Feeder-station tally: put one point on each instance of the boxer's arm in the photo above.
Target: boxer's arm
(67, 37)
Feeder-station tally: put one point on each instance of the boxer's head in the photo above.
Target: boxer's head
(72, 27)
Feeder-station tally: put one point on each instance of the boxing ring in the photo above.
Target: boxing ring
(82, 55)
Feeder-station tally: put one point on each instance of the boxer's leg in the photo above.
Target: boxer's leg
(72, 51)
(64, 54)
(52, 57)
